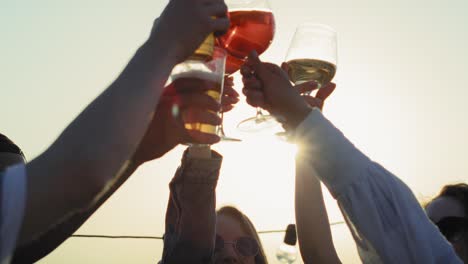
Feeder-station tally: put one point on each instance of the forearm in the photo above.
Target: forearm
(93, 148)
(335, 160)
(105, 135)
(375, 203)
(47, 242)
(312, 223)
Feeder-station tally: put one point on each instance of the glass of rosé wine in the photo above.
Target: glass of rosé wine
(252, 28)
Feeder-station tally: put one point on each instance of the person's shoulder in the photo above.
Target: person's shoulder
(13, 184)
(16, 170)
(13, 191)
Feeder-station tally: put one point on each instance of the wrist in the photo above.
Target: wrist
(199, 152)
(135, 161)
(159, 52)
(296, 115)
(158, 43)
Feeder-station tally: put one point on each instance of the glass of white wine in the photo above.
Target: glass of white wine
(312, 55)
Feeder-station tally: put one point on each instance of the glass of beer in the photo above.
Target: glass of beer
(207, 76)
(312, 55)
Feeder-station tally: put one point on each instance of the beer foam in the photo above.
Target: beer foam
(202, 75)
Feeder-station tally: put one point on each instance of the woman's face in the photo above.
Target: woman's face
(230, 230)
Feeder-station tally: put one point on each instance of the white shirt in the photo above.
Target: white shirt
(386, 220)
(13, 199)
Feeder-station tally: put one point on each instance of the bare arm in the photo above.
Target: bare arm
(270, 88)
(164, 133)
(313, 228)
(94, 148)
(96, 145)
(47, 242)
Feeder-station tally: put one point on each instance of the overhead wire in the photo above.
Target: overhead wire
(160, 238)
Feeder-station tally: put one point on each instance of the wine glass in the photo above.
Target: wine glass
(312, 54)
(252, 28)
(311, 57)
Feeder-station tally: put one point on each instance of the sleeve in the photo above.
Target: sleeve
(385, 218)
(191, 216)
(13, 201)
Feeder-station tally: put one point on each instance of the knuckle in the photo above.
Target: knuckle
(208, 22)
(224, 7)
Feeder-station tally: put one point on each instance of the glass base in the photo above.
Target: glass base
(283, 136)
(225, 138)
(229, 139)
(257, 123)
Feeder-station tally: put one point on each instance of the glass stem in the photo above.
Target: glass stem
(309, 92)
(221, 128)
(259, 114)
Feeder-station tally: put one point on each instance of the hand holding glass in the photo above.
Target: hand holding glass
(252, 29)
(208, 77)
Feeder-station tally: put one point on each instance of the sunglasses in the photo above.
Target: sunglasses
(245, 246)
(453, 227)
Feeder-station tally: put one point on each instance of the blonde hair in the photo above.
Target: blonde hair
(248, 227)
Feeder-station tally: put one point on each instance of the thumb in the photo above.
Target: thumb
(314, 102)
(261, 70)
(253, 61)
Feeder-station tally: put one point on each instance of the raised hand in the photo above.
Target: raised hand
(266, 85)
(186, 23)
(177, 107)
(305, 88)
(230, 96)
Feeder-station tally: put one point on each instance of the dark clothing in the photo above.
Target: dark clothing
(53, 238)
(191, 212)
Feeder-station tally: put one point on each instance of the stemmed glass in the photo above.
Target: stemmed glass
(312, 54)
(252, 28)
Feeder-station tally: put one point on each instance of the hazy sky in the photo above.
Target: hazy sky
(400, 98)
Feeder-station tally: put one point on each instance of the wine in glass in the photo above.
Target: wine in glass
(311, 57)
(252, 28)
(312, 54)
